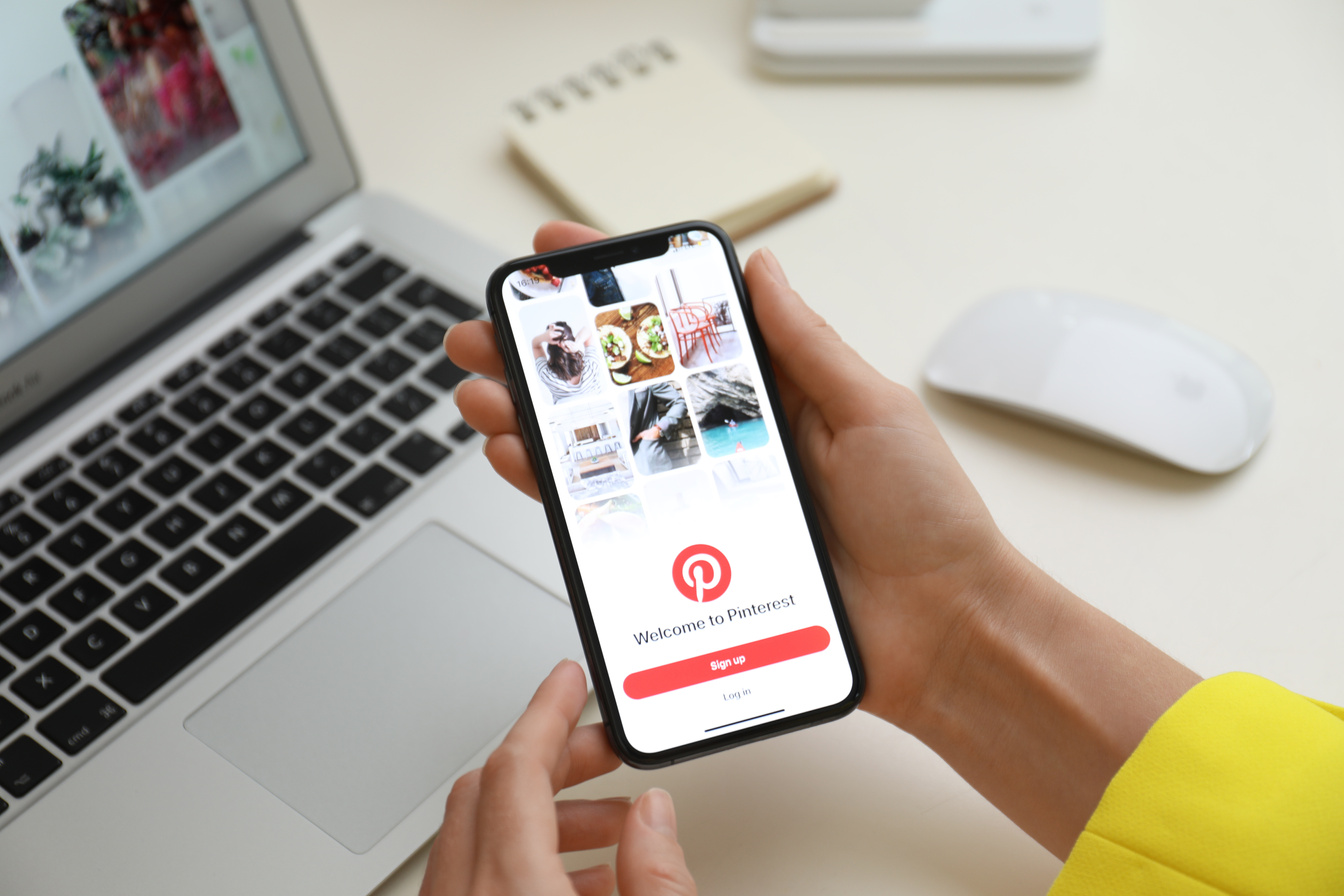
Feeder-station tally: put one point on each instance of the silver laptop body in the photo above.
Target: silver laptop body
(232, 710)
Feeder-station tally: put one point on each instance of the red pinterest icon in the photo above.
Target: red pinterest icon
(701, 573)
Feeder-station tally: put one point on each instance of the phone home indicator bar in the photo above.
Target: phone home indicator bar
(729, 661)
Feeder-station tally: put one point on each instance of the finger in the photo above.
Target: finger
(471, 346)
(590, 824)
(486, 405)
(450, 860)
(508, 455)
(555, 235)
(590, 754)
(809, 352)
(516, 833)
(649, 861)
(599, 880)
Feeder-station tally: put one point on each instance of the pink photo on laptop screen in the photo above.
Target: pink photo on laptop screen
(156, 76)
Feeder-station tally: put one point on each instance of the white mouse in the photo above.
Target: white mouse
(1111, 371)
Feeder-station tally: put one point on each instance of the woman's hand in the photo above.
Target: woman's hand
(503, 831)
(1034, 696)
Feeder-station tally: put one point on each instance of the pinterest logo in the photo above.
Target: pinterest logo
(701, 573)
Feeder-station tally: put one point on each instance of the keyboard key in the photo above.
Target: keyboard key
(93, 439)
(446, 374)
(24, 764)
(373, 279)
(20, 534)
(95, 643)
(306, 428)
(366, 435)
(5, 612)
(79, 544)
(156, 436)
(41, 684)
(30, 579)
(143, 607)
(264, 460)
(258, 412)
(224, 347)
(408, 403)
(215, 444)
(30, 634)
(300, 381)
(389, 365)
(200, 403)
(11, 717)
(380, 321)
(9, 500)
(175, 526)
(237, 535)
(270, 314)
(46, 474)
(183, 375)
(281, 501)
(220, 493)
(171, 476)
(427, 335)
(349, 396)
(341, 351)
(111, 468)
(351, 256)
(125, 510)
(284, 344)
(242, 374)
(324, 468)
(311, 284)
(80, 598)
(139, 406)
(6, 667)
(200, 625)
(64, 501)
(372, 490)
(80, 720)
(190, 571)
(462, 432)
(324, 315)
(422, 292)
(419, 453)
(128, 562)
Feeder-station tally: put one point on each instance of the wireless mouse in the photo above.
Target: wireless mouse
(1111, 371)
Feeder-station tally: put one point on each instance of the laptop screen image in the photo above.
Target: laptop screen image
(126, 127)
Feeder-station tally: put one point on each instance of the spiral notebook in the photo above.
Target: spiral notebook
(659, 134)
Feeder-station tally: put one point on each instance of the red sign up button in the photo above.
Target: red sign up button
(729, 661)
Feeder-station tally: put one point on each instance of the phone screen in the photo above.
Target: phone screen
(708, 599)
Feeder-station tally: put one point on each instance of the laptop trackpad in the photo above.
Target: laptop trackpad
(360, 714)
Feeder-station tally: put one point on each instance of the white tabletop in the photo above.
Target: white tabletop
(1197, 171)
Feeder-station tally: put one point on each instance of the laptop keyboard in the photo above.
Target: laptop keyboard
(129, 555)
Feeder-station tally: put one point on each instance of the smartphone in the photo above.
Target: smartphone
(695, 566)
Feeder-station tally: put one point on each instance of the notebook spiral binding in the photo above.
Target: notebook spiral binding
(635, 61)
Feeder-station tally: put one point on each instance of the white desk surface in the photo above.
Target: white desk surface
(1198, 170)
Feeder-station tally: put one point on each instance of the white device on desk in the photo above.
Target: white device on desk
(261, 597)
(1110, 371)
(926, 38)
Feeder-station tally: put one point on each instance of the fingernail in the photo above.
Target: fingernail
(457, 389)
(655, 810)
(772, 265)
(615, 799)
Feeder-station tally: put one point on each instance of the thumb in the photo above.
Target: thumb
(649, 861)
(806, 349)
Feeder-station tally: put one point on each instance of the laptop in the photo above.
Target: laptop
(261, 598)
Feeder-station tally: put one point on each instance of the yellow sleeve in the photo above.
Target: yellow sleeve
(1237, 790)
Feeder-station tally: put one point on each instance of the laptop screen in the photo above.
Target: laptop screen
(126, 126)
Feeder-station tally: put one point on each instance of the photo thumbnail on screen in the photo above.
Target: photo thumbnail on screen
(590, 452)
(662, 435)
(728, 410)
(635, 344)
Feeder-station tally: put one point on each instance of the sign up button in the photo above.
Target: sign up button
(729, 661)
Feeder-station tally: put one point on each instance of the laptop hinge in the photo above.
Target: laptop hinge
(193, 309)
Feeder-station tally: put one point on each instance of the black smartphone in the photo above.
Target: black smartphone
(697, 571)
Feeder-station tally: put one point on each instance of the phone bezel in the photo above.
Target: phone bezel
(608, 253)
